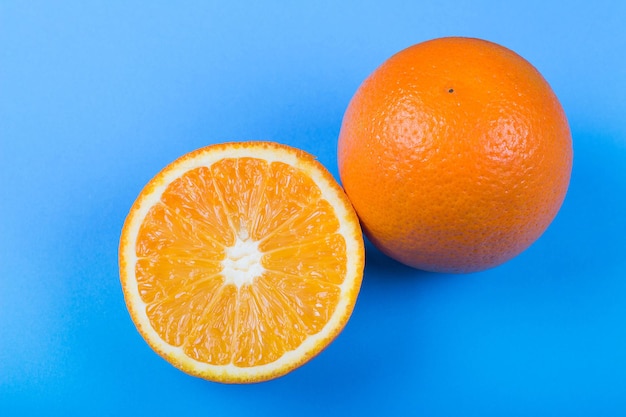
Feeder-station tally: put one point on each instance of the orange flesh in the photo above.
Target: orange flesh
(183, 242)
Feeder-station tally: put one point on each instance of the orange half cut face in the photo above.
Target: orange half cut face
(240, 262)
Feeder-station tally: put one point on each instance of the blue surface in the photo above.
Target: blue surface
(96, 98)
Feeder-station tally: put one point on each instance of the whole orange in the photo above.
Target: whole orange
(456, 155)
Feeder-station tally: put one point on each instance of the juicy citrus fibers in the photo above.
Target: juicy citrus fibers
(241, 261)
(456, 155)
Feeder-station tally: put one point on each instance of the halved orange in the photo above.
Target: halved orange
(241, 261)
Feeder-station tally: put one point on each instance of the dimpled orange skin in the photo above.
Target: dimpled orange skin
(456, 155)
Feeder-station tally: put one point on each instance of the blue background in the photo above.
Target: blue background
(96, 97)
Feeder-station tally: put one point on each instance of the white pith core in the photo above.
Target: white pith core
(242, 264)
